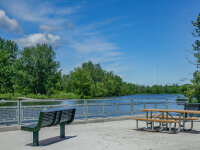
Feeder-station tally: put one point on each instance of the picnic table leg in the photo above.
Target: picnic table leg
(152, 126)
(191, 124)
(183, 121)
(162, 118)
(151, 118)
(147, 118)
(62, 130)
(167, 119)
(179, 122)
(161, 127)
(35, 138)
(170, 127)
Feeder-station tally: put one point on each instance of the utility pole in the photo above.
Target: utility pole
(157, 74)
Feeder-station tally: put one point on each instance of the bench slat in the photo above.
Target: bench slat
(52, 117)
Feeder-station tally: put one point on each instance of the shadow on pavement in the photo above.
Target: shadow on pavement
(192, 131)
(52, 140)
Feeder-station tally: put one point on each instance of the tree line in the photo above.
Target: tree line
(90, 79)
(34, 70)
(193, 91)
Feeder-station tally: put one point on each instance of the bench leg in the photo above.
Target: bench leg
(62, 130)
(36, 138)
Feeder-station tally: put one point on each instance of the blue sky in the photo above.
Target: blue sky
(144, 41)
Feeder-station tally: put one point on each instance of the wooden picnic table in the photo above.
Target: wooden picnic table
(165, 115)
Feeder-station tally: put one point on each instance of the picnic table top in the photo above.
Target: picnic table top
(172, 110)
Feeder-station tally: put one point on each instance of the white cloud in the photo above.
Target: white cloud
(40, 38)
(116, 67)
(50, 28)
(8, 24)
(87, 41)
(39, 11)
(66, 10)
(92, 45)
(46, 28)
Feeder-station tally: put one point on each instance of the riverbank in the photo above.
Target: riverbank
(62, 95)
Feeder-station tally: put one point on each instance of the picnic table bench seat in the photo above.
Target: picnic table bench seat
(155, 120)
(51, 118)
(175, 118)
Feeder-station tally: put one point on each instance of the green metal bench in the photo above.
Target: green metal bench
(50, 118)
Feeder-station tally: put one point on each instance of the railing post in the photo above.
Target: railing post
(19, 111)
(85, 110)
(155, 106)
(117, 108)
(132, 109)
(188, 100)
(166, 103)
(103, 110)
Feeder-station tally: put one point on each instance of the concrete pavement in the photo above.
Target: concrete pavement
(114, 135)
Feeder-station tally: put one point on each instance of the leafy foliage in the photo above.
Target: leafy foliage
(194, 90)
(34, 72)
(38, 70)
(91, 80)
(80, 82)
(8, 56)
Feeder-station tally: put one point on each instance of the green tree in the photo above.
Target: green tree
(91, 80)
(8, 56)
(196, 85)
(196, 50)
(38, 70)
(112, 83)
(5, 72)
(80, 82)
(96, 73)
(128, 88)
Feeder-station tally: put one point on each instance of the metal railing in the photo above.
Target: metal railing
(27, 111)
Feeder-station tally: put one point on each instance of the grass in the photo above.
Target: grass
(58, 95)
(62, 95)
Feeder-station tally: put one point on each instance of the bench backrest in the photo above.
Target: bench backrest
(56, 116)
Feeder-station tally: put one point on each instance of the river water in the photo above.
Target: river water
(104, 107)
(121, 105)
